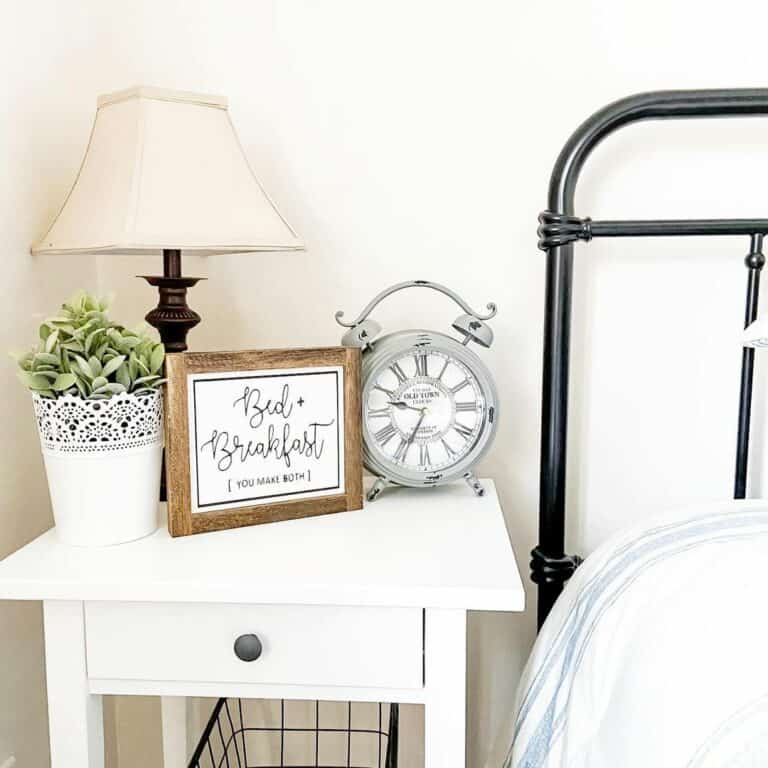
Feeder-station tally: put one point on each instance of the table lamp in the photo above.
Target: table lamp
(164, 172)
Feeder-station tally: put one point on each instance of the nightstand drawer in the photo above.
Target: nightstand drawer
(301, 645)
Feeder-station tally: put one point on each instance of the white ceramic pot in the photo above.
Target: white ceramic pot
(103, 459)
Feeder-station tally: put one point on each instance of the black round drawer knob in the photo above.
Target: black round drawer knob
(248, 647)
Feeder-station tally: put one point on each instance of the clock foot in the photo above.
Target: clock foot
(474, 484)
(380, 484)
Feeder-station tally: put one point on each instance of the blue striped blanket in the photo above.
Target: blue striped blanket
(650, 657)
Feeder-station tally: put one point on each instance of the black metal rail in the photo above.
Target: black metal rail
(559, 228)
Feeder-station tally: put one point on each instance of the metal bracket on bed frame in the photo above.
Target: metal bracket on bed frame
(552, 570)
(558, 230)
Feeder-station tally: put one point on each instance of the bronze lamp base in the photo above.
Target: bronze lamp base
(172, 316)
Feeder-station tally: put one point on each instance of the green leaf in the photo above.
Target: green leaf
(156, 358)
(98, 382)
(34, 381)
(91, 337)
(123, 377)
(64, 381)
(143, 367)
(95, 365)
(113, 365)
(113, 388)
(51, 375)
(81, 387)
(45, 358)
(88, 324)
(84, 367)
(51, 341)
(73, 346)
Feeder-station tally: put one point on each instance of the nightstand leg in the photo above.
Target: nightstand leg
(75, 717)
(445, 679)
(176, 716)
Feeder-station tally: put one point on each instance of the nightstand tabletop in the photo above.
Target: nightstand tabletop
(427, 548)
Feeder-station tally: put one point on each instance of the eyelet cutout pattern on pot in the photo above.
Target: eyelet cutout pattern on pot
(72, 425)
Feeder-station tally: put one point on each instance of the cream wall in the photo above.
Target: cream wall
(44, 126)
(414, 140)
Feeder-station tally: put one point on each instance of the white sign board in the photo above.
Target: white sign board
(262, 437)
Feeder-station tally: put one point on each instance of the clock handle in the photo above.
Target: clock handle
(491, 307)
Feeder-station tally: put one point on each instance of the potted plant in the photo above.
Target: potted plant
(96, 392)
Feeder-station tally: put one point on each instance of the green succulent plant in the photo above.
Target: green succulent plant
(84, 353)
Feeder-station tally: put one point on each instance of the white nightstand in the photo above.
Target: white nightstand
(359, 606)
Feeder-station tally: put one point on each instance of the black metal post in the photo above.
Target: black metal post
(391, 758)
(554, 426)
(559, 228)
(755, 261)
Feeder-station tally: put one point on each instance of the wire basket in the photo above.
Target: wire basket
(351, 737)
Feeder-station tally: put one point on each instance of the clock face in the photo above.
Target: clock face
(425, 413)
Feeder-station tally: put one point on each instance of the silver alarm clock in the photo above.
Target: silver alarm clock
(430, 408)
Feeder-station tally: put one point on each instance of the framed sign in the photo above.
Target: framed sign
(257, 437)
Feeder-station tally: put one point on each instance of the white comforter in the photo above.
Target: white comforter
(656, 654)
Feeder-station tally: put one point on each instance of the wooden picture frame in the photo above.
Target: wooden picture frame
(202, 446)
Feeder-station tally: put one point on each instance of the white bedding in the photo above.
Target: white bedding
(656, 654)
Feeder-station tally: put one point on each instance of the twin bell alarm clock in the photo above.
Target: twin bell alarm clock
(430, 407)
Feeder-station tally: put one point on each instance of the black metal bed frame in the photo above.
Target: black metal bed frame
(558, 230)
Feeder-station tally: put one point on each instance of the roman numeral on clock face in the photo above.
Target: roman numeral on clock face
(465, 432)
(378, 413)
(466, 407)
(385, 434)
(451, 453)
(421, 364)
(398, 371)
(424, 455)
(460, 386)
(387, 392)
(401, 450)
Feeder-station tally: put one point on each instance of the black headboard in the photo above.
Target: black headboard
(559, 229)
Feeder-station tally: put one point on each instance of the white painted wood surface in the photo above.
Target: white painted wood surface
(341, 596)
(240, 690)
(310, 645)
(422, 548)
(445, 675)
(75, 717)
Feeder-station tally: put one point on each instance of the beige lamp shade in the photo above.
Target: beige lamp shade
(165, 170)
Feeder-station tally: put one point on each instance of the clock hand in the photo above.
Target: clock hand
(403, 406)
(415, 430)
